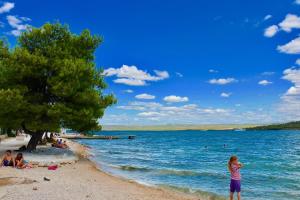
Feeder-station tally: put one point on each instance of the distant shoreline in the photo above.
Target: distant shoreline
(183, 127)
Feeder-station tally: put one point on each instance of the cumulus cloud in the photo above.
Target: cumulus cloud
(292, 75)
(150, 114)
(132, 82)
(292, 47)
(222, 81)
(291, 99)
(18, 24)
(297, 2)
(179, 74)
(267, 17)
(128, 91)
(293, 91)
(264, 82)
(271, 31)
(6, 7)
(157, 113)
(140, 106)
(161, 74)
(175, 99)
(213, 71)
(131, 75)
(298, 61)
(268, 73)
(225, 95)
(145, 96)
(187, 113)
(290, 22)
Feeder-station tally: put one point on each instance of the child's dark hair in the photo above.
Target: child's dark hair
(231, 160)
(19, 156)
(8, 151)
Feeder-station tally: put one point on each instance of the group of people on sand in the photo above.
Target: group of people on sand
(8, 160)
(59, 143)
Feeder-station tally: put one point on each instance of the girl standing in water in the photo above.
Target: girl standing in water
(235, 182)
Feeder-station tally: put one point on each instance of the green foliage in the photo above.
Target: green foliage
(286, 126)
(49, 80)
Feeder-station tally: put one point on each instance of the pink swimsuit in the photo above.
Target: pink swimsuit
(235, 172)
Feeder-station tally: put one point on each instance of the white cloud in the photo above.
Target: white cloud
(150, 114)
(293, 47)
(264, 82)
(128, 91)
(292, 75)
(225, 95)
(6, 7)
(162, 74)
(175, 99)
(268, 73)
(298, 61)
(293, 91)
(271, 31)
(164, 114)
(179, 74)
(222, 81)
(267, 17)
(128, 81)
(213, 71)
(140, 106)
(297, 2)
(18, 24)
(145, 96)
(290, 104)
(290, 22)
(131, 75)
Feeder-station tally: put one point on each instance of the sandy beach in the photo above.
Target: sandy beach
(78, 180)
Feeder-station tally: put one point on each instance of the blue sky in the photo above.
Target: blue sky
(184, 62)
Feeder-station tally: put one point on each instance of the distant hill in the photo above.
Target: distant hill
(286, 126)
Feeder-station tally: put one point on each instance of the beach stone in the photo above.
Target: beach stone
(34, 188)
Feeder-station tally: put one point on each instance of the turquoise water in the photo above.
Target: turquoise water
(195, 161)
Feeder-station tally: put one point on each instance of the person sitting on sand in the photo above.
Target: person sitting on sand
(7, 160)
(20, 162)
(235, 182)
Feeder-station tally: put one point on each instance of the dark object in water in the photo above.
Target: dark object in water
(131, 137)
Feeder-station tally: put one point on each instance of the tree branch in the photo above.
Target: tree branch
(27, 130)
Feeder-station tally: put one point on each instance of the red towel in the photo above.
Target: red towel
(52, 167)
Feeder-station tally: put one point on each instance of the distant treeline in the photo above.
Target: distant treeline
(286, 126)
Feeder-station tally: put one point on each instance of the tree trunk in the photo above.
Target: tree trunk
(34, 140)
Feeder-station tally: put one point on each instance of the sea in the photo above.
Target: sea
(196, 161)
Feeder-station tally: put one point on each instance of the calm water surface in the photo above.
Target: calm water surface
(195, 161)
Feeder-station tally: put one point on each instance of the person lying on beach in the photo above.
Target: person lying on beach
(20, 162)
(235, 182)
(7, 160)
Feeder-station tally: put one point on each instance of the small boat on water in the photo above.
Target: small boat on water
(239, 129)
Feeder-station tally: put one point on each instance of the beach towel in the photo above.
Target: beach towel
(52, 167)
